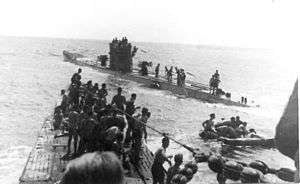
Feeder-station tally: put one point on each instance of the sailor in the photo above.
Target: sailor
(94, 168)
(170, 74)
(242, 99)
(95, 88)
(102, 93)
(179, 80)
(138, 131)
(216, 81)
(232, 123)
(58, 118)
(183, 76)
(74, 95)
(242, 130)
(173, 170)
(130, 110)
(245, 100)
(157, 70)
(64, 101)
(160, 158)
(119, 100)
(209, 124)
(238, 121)
(76, 77)
(73, 123)
(216, 75)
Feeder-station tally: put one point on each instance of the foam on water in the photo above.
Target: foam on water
(32, 75)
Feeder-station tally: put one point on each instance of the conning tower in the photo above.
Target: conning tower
(121, 53)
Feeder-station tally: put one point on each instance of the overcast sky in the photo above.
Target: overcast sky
(247, 23)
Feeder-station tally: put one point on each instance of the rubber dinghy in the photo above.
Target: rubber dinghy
(248, 142)
(255, 141)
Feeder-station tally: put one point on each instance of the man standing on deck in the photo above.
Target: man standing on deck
(173, 170)
(76, 77)
(160, 158)
(119, 100)
(103, 91)
(64, 101)
(157, 70)
(130, 110)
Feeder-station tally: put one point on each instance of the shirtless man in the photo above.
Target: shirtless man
(160, 158)
(209, 124)
(130, 110)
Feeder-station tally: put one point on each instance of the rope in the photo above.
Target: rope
(157, 131)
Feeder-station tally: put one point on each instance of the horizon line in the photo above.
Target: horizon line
(151, 42)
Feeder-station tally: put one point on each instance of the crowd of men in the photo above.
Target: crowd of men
(235, 128)
(94, 125)
(181, 76)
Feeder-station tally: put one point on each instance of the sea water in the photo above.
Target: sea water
(33, 73)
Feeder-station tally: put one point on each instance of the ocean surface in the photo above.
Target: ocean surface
(33, 73)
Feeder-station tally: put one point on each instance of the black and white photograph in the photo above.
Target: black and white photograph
(149, 91)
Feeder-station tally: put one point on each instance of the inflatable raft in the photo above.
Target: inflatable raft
(238, 141)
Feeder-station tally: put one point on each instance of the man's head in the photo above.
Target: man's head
(237, 118)
(178, 158)
(165, 142)
(93, 168)
(119, 90)
(144, 111)
(148, 114)
(103, 86)
(212, 116)
(133, 97)
(62, 92)
(232, 119)
(89, 82)
(79, 70)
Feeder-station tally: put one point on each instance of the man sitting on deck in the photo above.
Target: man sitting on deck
(209, 124)
(160, 158)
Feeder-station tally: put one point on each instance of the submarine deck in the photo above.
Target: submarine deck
(44, 165)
